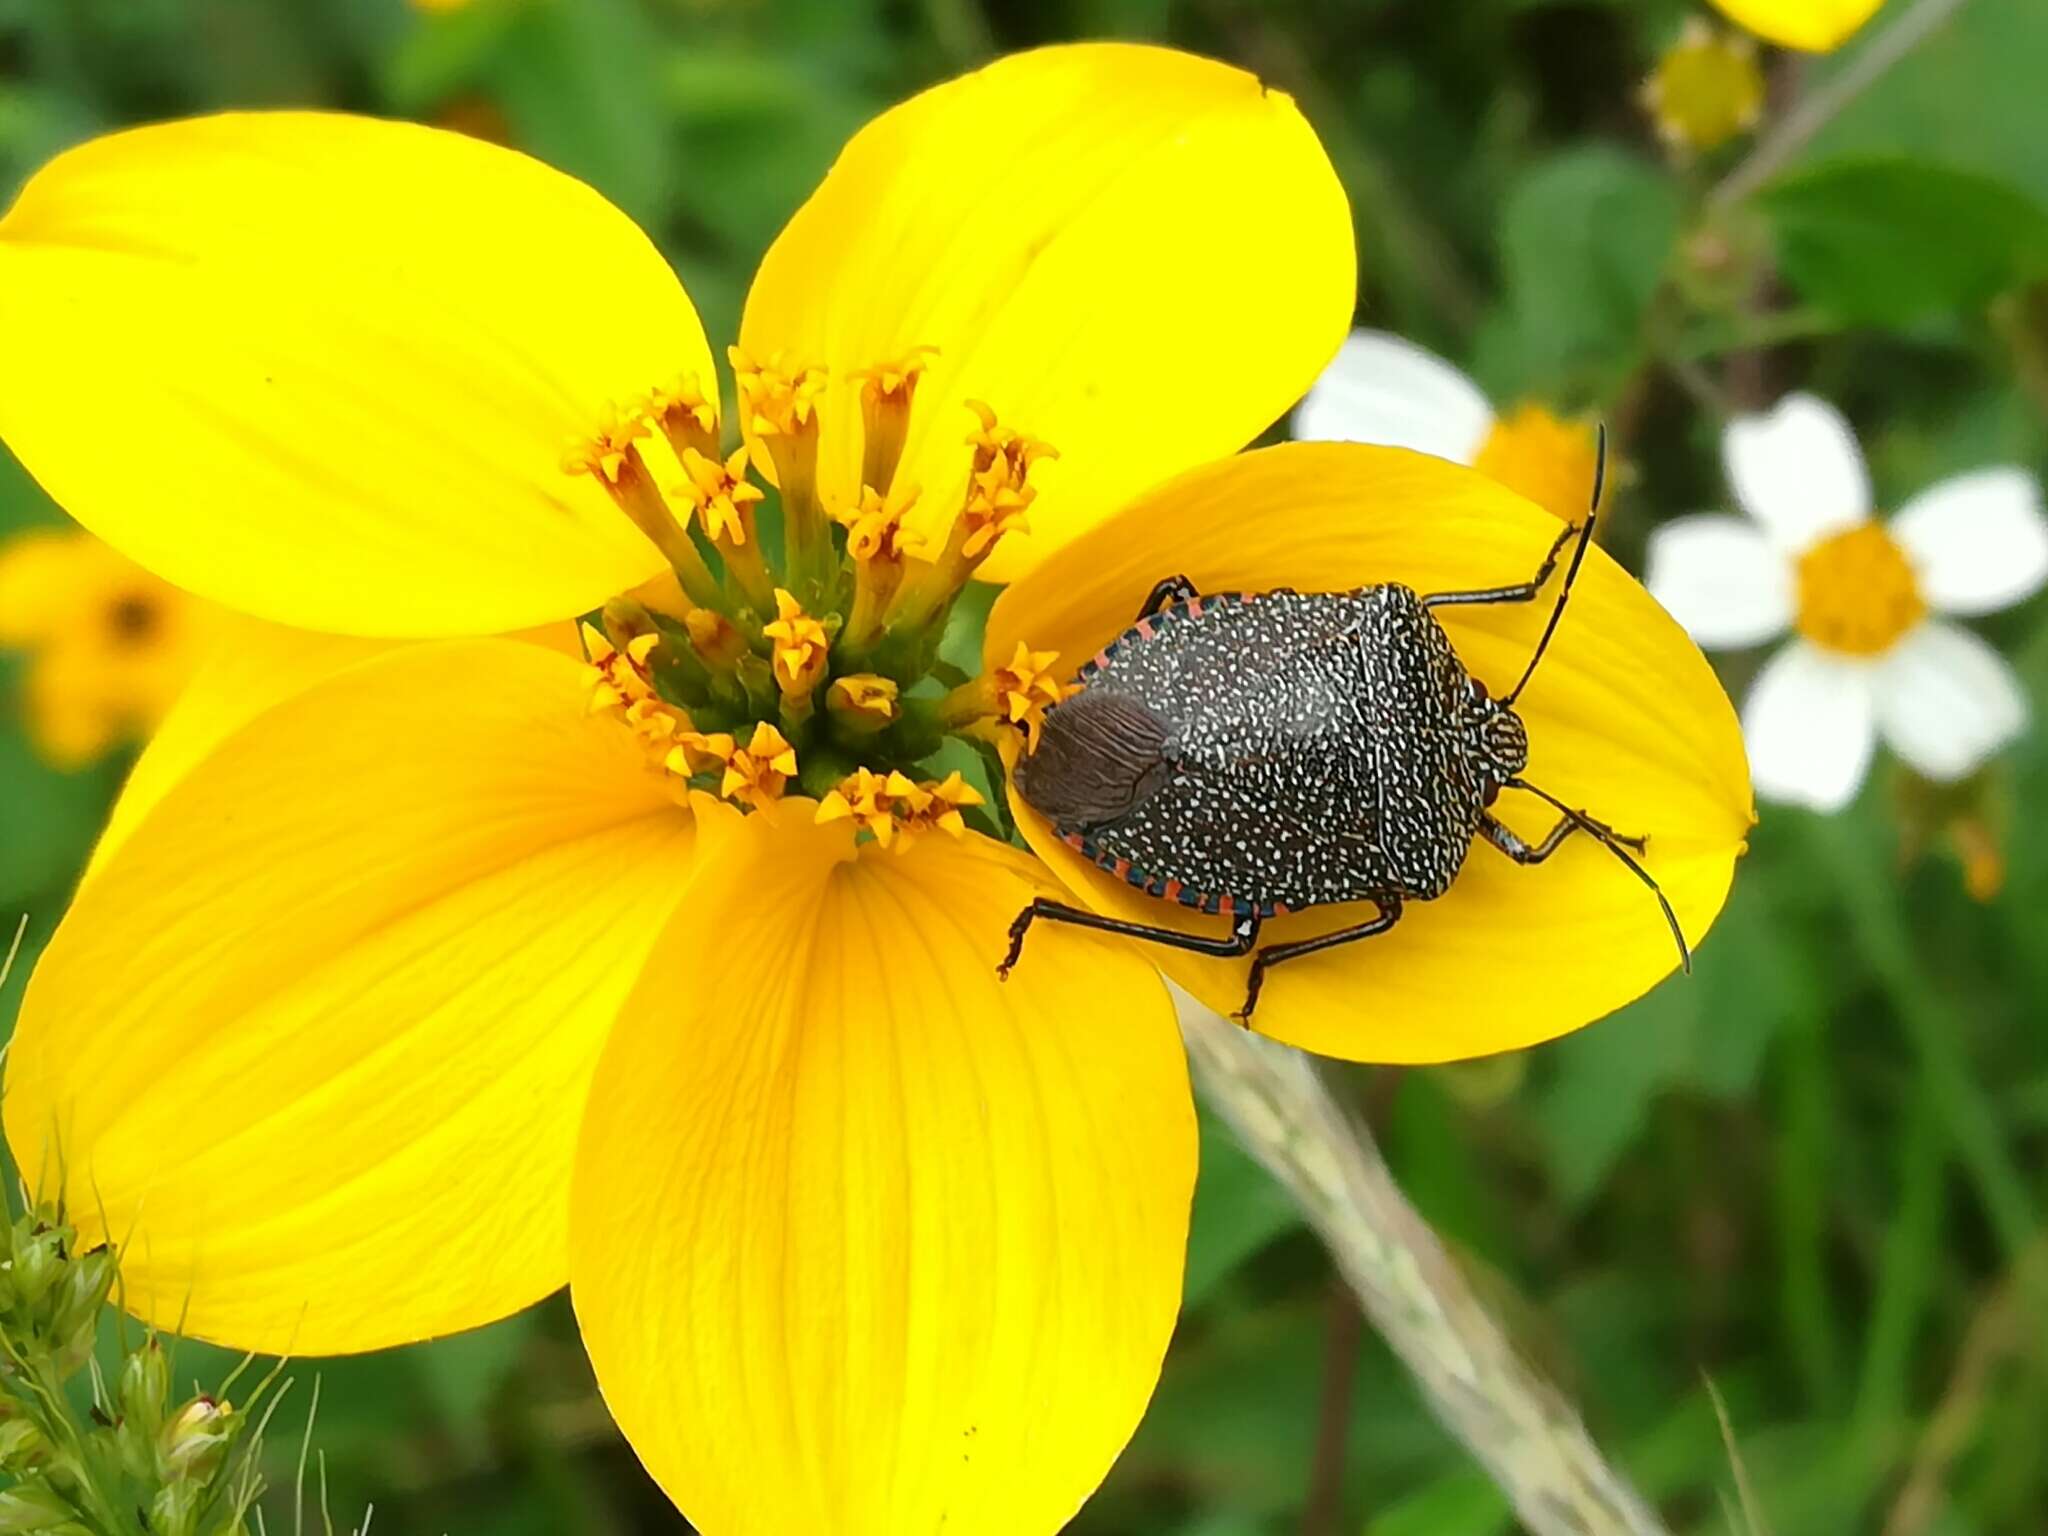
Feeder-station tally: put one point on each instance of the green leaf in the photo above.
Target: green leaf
(1890, 240)
(1584, 242)
(1238, 1211)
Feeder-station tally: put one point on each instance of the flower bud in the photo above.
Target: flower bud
(196, 1438)
(145, 1384)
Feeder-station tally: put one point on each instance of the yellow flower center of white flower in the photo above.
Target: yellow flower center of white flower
(1857, 592)
(1544, 457)
(752, 670)
(1706, 88)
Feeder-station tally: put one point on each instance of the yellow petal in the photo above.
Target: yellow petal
(322, 368)
(1625, 718)
(251, 666)
(1137, 255)
(866, 1241)
(314, 1045)
(1817, 26)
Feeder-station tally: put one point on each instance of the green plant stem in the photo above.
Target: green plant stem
(1936, 1028)
(1527, 1437)
(1796, 129)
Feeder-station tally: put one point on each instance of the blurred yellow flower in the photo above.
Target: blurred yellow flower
(1813, 26)
(416, 978)
(1706, 88)
(108, 645)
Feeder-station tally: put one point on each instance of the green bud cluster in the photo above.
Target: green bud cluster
(139, 1461)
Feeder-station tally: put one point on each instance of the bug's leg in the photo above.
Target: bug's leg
(1521, 591)
(1522, 851)
(1244, 932)
(1175, 589)
(1388, 915)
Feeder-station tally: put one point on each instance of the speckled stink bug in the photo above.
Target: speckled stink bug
(1254, 753)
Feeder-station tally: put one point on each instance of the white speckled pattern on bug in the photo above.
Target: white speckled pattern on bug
(1321, 747)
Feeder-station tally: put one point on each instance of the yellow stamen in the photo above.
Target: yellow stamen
(874, 534)
(686, 415)
(885, 805)
(1014, 695)
(715, 638)
(1706, 88)
(724, 499)
(1857, 592)
(1546, 458)
(779, 404)
(998, 496)
(605, 451)
(801, 645)
(756, 773)
(863, 703)
(886, 392)
(610, 456)
(1982, 859)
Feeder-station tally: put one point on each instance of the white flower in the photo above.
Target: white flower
(1869, 656)
(1382, 389)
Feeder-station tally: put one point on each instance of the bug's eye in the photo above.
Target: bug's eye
(1489, 791)
(1478, 689)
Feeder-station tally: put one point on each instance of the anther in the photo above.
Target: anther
(801, 646)
(886, 392)
(756, 774)
(874, 541)
(1015, 696)
(779, 404)
(862, 703)
(724, 500)
(687, 416)
(611, 457)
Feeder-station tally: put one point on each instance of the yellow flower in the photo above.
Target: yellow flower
(859, 1237)
(1706, 88)
(1815, 26)
(109, 645)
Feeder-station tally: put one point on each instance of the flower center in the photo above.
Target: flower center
(1549, 460)
(1857, 592)
(793, 645)
(1706, 89)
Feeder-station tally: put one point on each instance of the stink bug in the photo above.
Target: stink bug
(1254, 753)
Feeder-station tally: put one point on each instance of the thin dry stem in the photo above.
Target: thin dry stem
(1528, 1438)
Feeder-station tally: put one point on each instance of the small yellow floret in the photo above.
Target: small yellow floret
(801, 645)
(778, 398)
(865, 699)
(997, 492)
(1026, 687)
(684, 403)
(756, 774)
(896, 379)
(722, 495)
(874, 528)
(1706, 88)
(886, 804)
(606, 451)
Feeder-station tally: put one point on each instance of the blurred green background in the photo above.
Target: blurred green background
(1813, 1175)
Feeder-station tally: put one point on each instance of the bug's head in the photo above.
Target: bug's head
(1495, 737)
(1101, 754)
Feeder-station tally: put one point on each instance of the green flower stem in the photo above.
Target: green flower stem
(1527, 1437)
(1793, 132)
(1938, 1032)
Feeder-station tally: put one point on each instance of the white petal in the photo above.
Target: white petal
(1979, 541)
(1381, 389)
(1721, 578)
(1946, 701)
(1810, 729)
(1797, 470)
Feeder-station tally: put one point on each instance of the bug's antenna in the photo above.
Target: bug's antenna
(1571, 571)
(1605, 838)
